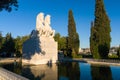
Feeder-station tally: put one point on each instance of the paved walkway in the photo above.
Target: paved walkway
(94, 61)
(9, 60)
(103, 62)
(84, 60)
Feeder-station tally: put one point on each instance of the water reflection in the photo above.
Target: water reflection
(115, 72)
(41, 72)
(85, 71)
(101, 72)
(66, 71)
(69, 71)
(16, 68)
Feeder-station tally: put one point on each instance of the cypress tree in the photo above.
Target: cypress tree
(73, 37)
(93, 42)
(102, 31)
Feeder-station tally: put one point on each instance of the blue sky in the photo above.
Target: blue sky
(23, 21)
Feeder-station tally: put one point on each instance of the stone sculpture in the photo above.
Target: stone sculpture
(41, 48)
(43, 26)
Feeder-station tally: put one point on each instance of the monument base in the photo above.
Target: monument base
(41, 48)
(41, 60)
(42, 51)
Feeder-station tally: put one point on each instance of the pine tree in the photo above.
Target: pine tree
(101, 31)
(73, 37)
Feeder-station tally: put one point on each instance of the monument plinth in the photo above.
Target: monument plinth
(41, 48)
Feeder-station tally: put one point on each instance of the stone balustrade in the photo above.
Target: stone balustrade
(7, 75)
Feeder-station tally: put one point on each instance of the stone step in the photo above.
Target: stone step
(7, 75)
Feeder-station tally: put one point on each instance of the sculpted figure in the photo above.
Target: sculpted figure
(40, 23)
(47, 22)
(49, 31)
(43, 26)
(40, 20)
(52, 33)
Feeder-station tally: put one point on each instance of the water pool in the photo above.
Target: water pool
(66, 71)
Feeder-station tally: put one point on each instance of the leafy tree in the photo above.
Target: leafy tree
(57, 36)
(18, 44)
(73, 37)
(118, 52)
(62, 42)
(8, 4)
(24, 38)
(100, 32)
(9, 45)
(63, 45)
(1, 42)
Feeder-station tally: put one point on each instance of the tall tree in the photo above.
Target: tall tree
(9, 45)
(93, 42)
(73, 37)
(100, 32)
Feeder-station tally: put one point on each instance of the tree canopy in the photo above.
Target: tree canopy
(8, 5)
(100, 32)
(73, 37)
(10, 46)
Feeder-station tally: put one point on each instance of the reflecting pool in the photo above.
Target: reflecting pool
(66, 71)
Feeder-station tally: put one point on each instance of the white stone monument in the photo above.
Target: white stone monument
(41, 48)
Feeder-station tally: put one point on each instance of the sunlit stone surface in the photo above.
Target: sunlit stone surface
(41, 48)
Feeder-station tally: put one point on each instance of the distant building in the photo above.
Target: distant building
(84, 51)
(80, 50)
(113, 50)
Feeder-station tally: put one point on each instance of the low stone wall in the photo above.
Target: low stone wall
(9, 60)
(103, 62)
(7, 75)
(93, 61)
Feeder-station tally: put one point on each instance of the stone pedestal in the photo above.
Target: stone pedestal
(41, 48)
